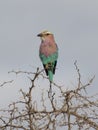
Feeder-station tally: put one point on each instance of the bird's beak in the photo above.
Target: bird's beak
(39, 35)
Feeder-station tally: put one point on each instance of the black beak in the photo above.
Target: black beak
(39, 35)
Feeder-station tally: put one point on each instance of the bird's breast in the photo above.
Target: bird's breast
(48, 49)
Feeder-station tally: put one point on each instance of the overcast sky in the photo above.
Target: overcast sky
(75, 27)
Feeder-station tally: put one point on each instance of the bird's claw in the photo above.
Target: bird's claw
(49, 65)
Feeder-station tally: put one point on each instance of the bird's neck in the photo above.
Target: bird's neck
(48, 41)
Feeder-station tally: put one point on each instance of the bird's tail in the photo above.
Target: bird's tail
(50, 73)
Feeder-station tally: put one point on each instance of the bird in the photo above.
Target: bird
(48, 53)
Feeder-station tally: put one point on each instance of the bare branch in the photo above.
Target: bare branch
(5, 83)
(71, 109)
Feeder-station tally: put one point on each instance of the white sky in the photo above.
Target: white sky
(75, 26)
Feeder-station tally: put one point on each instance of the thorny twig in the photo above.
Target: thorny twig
(5, 83)
(71, 109)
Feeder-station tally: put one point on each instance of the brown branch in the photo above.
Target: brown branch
(71, 108)
(5, 83)
(85, 119)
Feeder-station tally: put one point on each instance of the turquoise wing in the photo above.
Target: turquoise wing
(45, 60)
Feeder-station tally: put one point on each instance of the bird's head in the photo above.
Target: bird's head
(45, 35)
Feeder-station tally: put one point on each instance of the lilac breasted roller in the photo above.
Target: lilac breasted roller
(48, 53)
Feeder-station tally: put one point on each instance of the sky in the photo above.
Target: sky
(74, 24)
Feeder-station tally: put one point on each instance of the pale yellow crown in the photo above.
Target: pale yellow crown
(44, 33)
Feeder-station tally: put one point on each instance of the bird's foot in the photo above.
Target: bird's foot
(49, 65)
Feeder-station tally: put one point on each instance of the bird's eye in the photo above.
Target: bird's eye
(47, 34)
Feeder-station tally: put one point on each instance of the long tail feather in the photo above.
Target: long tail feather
(50, 73)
